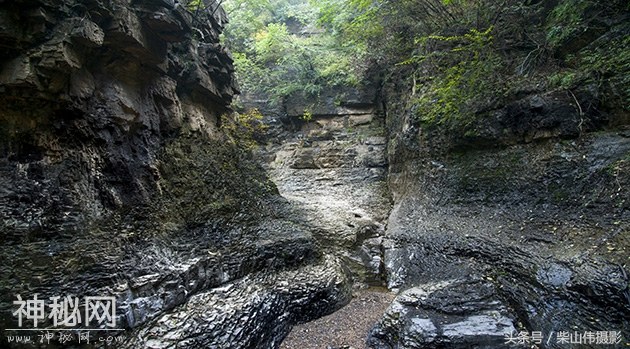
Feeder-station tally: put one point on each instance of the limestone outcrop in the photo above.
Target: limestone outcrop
(118, 178)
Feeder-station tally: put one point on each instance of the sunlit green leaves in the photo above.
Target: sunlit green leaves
(566, 19)
(273, 43)
(280, 49)
(466, 73)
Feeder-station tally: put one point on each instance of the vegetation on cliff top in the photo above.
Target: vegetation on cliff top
(467, 57)
(280, 51)
(463, 57)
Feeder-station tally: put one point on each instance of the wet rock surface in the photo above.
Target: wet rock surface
(333, 170)
(117, 179)
(538, 220)
(254, 312)
(456, 313)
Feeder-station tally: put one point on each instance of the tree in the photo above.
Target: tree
(279, 49)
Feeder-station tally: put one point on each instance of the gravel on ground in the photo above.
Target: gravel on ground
(346, 328)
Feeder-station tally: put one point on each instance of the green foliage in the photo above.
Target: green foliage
(307, 115)
(273, 43)
(461, 53)
(455, 95)
(273, 59)
(564, 79)
(247, 17)
(356, 21)
(604, 62)
(252, 76)
(299, 11)
(193, 5)
(608, 65)
(448, 44)
(243, 129)
(466, 75)
(566, 20)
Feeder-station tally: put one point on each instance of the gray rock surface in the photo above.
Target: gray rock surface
(538, 218)
(117, 179)
(333, 169)
(456, 313)
(253, 312)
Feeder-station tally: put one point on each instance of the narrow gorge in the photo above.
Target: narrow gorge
(218, 174)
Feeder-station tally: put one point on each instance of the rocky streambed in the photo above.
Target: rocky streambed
(479, 245)
(120, 178)
(482, 244)
(333, 169)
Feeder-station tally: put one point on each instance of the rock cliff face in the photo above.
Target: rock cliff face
(511, 204)
(333, 168)
(520, 225)
(117, 179)
(90, 93)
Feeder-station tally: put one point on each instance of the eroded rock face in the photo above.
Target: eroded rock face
(333, 169)
(90, 92)
(533, 202)
(456, 313)
(254, 312)
(116, 178)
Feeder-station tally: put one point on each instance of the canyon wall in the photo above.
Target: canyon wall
(119, 177)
